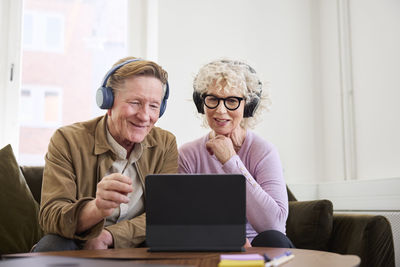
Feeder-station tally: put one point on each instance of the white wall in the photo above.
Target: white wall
(376, 67)
(323, 63)
(276, 38)
(328, 85)
(360, 89)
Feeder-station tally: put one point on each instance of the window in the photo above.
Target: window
(43, 32)
(41, 107)
(68, 46)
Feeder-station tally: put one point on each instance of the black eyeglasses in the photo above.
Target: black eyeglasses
(230, 102)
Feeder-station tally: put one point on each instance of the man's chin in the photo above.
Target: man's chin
(136, 140)
(138, 137)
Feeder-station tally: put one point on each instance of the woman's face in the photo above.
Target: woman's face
(222, 120)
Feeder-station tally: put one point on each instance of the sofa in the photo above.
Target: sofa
(310, 225)
(314, 225)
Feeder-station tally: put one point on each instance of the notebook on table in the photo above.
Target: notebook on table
(195, 212)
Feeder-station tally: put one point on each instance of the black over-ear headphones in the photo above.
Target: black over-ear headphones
(251, 105)
(105, 96)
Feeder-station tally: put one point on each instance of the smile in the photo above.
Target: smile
(221, 120)
(138, 126)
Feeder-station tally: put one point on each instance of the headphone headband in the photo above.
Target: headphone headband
(114, 69)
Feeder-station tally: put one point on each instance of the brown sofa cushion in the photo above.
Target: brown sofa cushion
(368, 236)
(19, 227)
(309, 225)
(33, 177)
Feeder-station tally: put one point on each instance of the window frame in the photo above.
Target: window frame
(10, 69)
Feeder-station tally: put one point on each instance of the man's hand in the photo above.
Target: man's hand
(112, 190)
(103, 241)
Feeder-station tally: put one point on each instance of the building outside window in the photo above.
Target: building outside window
(67, 48)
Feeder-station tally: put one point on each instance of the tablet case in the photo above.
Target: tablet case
(195, 212)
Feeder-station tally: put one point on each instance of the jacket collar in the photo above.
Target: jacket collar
(100, 137)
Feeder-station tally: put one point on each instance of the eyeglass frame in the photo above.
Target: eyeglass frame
(224, 99)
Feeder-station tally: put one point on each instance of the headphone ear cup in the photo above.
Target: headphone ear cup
(251, 107)
(198, 101)
(104, 97)
(163, 105)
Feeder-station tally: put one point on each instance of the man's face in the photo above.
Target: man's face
(135, 110)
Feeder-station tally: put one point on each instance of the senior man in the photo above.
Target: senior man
(93, 181)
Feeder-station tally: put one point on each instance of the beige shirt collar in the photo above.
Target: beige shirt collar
(121, 152)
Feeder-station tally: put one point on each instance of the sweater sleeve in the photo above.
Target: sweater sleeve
(189, 156)
(184, 165)
(266, 196)
(258, 160)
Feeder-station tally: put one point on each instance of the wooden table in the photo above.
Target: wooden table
(302, 257)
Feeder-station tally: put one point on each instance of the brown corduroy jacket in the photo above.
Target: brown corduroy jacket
(77, 159)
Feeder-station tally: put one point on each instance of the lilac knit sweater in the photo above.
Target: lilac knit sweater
(258, 160)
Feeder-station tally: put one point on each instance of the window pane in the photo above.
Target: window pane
(51, 107)
(28, 29)
(26, 106)
(54, 32)
(68, 47)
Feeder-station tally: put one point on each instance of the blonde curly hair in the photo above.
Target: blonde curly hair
(225, 74)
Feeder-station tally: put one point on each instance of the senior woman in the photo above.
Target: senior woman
(229, 94)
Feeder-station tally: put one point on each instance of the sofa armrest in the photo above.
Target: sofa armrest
(368, 236)
(309, 224)
(33, 176)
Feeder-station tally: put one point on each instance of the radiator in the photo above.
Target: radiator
(394, 219)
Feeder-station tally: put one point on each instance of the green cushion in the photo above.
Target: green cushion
(19, 226)
(309, 225)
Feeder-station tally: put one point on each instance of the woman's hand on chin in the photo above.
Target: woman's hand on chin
(222, 147)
